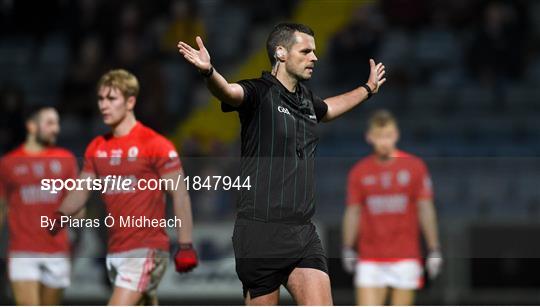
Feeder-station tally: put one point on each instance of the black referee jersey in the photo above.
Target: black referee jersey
(279, 141)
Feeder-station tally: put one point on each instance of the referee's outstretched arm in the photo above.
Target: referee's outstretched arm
(229, 93)
(343, 103)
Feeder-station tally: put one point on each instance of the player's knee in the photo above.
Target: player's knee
(26, 294)
(321, 299)
(25, 300)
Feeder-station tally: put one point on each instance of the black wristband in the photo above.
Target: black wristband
(208, 73)
(368, 90)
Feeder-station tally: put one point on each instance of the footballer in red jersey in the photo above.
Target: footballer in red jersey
(137, 256)
(389, 203)
(38, 264)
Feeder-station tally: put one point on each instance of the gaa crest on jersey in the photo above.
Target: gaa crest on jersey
(133, 152)
(101, 154)
(116, 157)
(369, 180)
(403, 177)
(38, 169)
(386, 180)
(173, 154)
(55, 166)
(20, 170)
(283, 110)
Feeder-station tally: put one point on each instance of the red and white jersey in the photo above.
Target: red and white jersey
(141, 154)
(21, 173)
(388, 194)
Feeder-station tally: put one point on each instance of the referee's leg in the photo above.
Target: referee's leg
(310, 287)
(270, 299)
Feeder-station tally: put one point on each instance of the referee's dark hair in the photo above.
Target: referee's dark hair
(283, 35)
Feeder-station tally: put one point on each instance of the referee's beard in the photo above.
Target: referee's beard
(303, 76)
(303, 73)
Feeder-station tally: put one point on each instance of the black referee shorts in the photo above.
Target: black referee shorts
(267, 253)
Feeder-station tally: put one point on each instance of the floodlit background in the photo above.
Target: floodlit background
(463, 80)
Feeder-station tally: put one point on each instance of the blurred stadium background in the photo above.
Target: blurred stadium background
(464, 80)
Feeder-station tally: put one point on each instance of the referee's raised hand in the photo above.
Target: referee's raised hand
(376, 76)
(199, 58)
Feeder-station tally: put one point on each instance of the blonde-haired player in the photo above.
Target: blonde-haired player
(389, 201)
(136, 256)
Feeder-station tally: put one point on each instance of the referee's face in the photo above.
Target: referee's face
(383, 140)
(301, 57)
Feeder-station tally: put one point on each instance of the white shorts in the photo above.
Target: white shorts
(52, 270)
(403, 274)
(139, 270)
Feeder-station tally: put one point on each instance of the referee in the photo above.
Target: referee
(274, 240)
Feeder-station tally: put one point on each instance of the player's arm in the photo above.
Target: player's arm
(351, 224)
(338, 105)
(350, 231)
(73, 203)
(181, 205)
(185, 258)
(428, 223)
(3, 210)
(351, 217)
(74, 173)
(229, 93)
(3, 197)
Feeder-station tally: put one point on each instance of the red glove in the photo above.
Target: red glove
(56, 217)
(185, 259)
